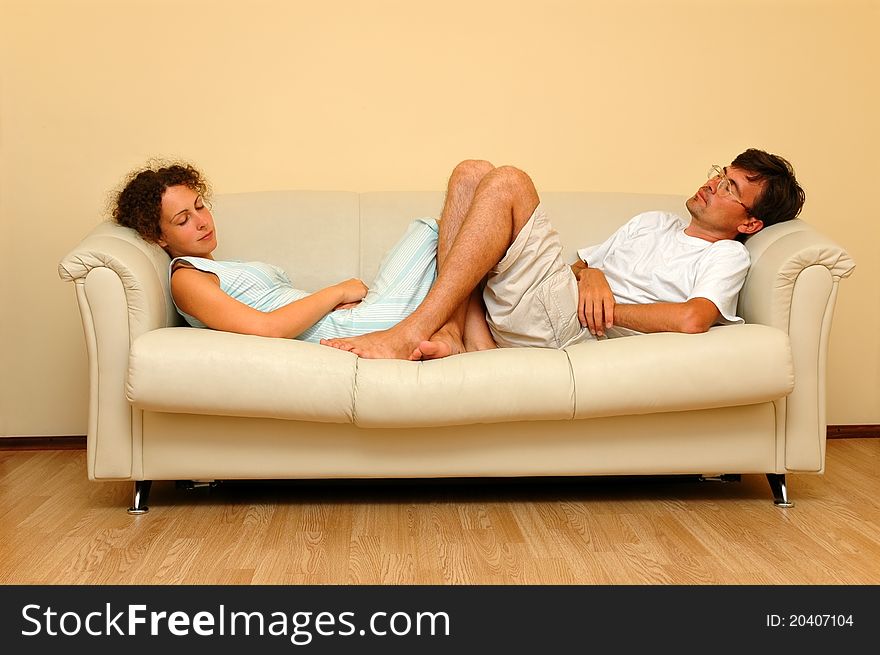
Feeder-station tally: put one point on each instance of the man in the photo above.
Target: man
(658, 273)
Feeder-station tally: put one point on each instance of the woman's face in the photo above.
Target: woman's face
(186, 225)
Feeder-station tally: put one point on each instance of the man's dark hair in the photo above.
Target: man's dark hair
(782, 197)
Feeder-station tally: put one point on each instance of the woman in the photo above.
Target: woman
(167, 206)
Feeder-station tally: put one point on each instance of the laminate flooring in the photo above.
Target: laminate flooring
(57, 527)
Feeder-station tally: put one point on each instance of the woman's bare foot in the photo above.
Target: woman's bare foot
(339, 344)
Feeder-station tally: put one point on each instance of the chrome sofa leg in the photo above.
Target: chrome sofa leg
(141, 494)
(780, 493)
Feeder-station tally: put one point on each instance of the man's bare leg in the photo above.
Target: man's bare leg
(453, 337)
(468, 330)
(460, 190)
(463, 326)
(475, 335)
(503, 202)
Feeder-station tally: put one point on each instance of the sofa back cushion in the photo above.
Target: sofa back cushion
(581, 218)
(313, 235)
(322, 237)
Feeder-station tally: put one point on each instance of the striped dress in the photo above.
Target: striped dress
(405, 275)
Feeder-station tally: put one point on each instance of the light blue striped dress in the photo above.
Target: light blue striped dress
(405, 275)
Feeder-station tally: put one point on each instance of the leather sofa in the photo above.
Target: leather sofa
(169, 402)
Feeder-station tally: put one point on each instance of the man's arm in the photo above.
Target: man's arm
(692, 317)
(598, 310)
(595, 301)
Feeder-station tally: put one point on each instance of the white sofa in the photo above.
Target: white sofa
(169, 402)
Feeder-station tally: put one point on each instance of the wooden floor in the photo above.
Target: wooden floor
(57, 527)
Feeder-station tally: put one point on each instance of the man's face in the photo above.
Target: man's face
(719, 208)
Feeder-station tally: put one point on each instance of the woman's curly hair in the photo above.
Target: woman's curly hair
(139, 204)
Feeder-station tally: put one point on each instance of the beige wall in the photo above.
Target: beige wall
(583, 94)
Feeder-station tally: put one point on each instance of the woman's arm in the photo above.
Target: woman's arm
(199, 294)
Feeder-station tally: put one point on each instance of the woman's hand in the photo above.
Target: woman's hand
(353, 291)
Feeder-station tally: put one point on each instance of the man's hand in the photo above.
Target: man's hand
(595, 300)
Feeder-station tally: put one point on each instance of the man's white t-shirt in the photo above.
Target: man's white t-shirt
(651, 259)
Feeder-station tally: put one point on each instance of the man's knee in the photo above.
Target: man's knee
(512, 177)
(516, 185)
(471, 171)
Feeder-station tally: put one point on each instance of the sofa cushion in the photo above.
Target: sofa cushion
(510, 384)
(581, 218)
(193, 371)
(313, 235)
(726, 366)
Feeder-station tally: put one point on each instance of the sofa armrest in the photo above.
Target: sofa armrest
(780, 254)
(792, 285)
(122, 292)
(142, 269)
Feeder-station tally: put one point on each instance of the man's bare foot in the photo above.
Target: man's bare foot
(387, 344)
(444, 343)
(483, 342)
(432, 350)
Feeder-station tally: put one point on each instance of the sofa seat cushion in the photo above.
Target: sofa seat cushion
(726, 366)
(186, 370)
(493, 386)
(192, 371)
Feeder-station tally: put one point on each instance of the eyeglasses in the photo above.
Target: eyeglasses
(724, 188)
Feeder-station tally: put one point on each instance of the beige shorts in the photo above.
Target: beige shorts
(531, 294)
